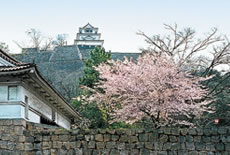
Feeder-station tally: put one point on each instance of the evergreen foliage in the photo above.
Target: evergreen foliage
(91, 76)
(96, 115)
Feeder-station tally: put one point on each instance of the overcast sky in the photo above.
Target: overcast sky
(118, 20)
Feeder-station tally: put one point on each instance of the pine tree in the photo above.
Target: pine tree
(95, 114)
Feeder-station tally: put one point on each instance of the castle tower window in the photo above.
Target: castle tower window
(26, 108)
(53, 115)
(12, 93)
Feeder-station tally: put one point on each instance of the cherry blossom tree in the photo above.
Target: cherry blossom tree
(152, 87)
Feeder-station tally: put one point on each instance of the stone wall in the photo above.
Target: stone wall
(17, 137)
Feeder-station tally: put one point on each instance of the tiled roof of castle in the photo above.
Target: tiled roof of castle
(17, 65)
(10, 59)
(14, 68)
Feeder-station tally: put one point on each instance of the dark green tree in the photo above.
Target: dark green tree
(219, 88)
(90, 78)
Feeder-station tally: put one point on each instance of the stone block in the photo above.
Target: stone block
(182, 152)
(107, 137)
(207, 131)
(200, 131)
(158, 146)
(28, 146)
(80, 137)
(162, 153)
(144, 152)
(66, 145)
(11, 146)
(123, 138)
(19, 130)
(110, 131)
(30, 139)
(120, 131)
(222, 130)
(173, 139)
(91, 144)
(114, 137)
(192, 131)
(46, 145)
(149, 145)
(214, 131)
(184, 131)
(46, 152)
(181, 139)
(63, 138)
(19, 146)
(197, 138)
(134, 152)
(189, 138)
(78, 151)
(167, 146)
(114, 152)
(140, 145)
(167, 130)
(87, 137)
(227, 146)
(175, 146)
(72, 145)
(132, 139)
(61, 132)
(190, 146)
(78, 144)
(100, 145)
(210, 147)
(37, 138)
(57, 145)
(153, 137)
(54, 138)
(121, 146)
(175, 131)
(192, 153)
(130, 146)
(206, 139)
(163, 138)
(111, 145)
(124, 152)
(200, 146)
(37, 146)
(99, 138)
(219, 147)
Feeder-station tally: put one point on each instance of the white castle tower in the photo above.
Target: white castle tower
(88, 36)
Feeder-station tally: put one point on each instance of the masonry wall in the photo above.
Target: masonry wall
(17, 137)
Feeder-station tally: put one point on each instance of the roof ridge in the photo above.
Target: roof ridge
(9, 58)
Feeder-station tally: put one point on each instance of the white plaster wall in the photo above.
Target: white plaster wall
(63, 122)
(3, 93)
(15, 109)
(11, 111)
(42, 106)
(92, 43)
(34, 117)
(37, 104)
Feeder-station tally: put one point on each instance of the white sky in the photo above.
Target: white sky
(118, 20)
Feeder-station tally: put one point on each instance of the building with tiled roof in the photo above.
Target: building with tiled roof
(25, 94)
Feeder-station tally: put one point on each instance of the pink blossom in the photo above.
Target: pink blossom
(154, 87)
